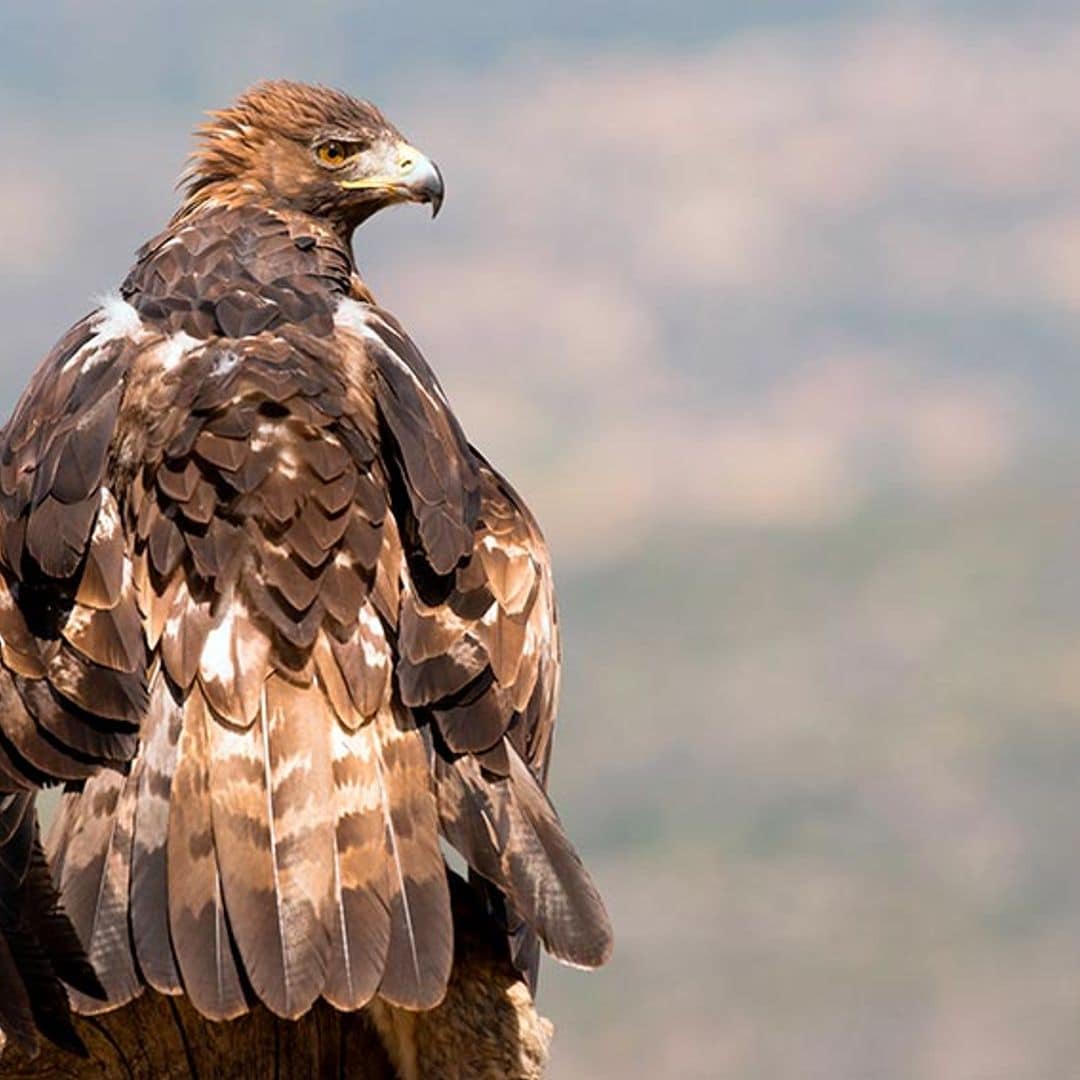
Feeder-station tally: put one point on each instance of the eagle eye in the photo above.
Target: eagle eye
(333, 153)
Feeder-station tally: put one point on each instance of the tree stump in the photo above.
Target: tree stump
(486, 1028)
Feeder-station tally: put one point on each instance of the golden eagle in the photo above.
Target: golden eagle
(273, 622)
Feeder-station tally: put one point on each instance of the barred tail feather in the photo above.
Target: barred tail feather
(273, 829)
(94, 834)
(549, 878)
(360, 912)
(509, 833)
(421, 947)
(201, 934)
(149, 863)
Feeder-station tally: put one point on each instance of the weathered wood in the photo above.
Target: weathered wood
(486, 1029)
(157, 1036)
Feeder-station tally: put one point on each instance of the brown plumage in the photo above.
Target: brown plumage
(268, 614)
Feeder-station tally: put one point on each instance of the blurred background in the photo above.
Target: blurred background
(771, 310)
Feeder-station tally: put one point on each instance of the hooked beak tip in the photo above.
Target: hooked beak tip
(428, 185)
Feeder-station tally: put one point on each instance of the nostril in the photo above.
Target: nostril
(406, 164)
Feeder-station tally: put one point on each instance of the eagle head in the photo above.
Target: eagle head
(308, 148)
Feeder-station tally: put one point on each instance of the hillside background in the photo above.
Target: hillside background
(772, 311)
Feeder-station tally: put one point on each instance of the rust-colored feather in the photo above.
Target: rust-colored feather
(273, 830)
(184, 636)
(365, 659)
(421, 937)
(110, 637)
(359, 918)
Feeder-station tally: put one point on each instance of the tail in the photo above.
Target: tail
(39, 948)
(288, 858)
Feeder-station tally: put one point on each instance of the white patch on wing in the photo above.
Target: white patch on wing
(372, 640)
(107, 524)
(77, 621)
(224, 363)
(353, 315)
(218, 660)
(288, 463)
(115, 319)
(174, 348)
(266, 433)
(174, 622)
(118, 318)
(509, 548)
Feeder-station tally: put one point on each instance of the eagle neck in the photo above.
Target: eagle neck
(237, 270)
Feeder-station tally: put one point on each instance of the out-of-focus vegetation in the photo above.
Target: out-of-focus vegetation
(834, 800)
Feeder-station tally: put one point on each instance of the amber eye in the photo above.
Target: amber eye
(332, 153)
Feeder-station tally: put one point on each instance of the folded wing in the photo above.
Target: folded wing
(278, 628)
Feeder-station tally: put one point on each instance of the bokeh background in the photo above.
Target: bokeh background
(772, 312)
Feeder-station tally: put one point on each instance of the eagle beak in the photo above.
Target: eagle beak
(421, 177)
(406, 175)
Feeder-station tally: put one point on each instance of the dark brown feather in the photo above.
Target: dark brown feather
(95, 880)
(102, 583)
(38, 945)
(508, 832)
(26, 702)
(56, 534)
(16, 1015)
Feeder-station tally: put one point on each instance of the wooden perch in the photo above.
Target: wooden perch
(486, 1029)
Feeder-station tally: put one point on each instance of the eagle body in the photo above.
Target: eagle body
(275, 624)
